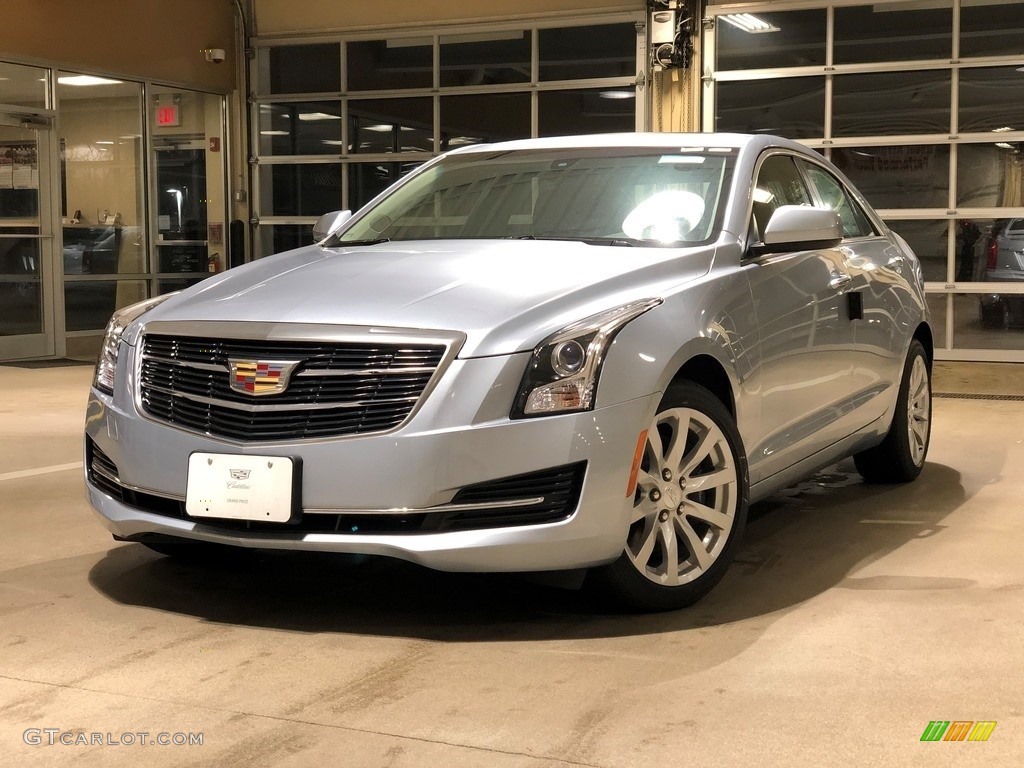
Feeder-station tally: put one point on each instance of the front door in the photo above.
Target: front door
(26, 239)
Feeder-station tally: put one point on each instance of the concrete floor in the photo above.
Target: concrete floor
(854, 616)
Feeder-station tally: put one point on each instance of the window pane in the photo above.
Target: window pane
(284, 237)
(391, 125)
(367, 180)
(565, 113)
(488, 116)
(990, 28)
(988, 321)
(928, 239)
(997, 256)
(793, 107)
(309, 189)
(570, 53)
(303, 68)
(488, 59)
(102, 250)
(834, 195)
(891, 103)
(892, 32)
(794, 39)
(89, 305)
(981, 250)
(20, 294)
(100, 130)
(386, 64)
(990, 175)
(24, 86)
(190, 190)
(898, 176)
(175, 284)
(992, 98)
(300, 128)
(778, 183)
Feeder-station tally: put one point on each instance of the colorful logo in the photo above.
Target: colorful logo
(261, 377)
(958, 730)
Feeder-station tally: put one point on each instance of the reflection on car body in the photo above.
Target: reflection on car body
(578, 353)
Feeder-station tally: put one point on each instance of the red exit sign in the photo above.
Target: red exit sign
(168, 115)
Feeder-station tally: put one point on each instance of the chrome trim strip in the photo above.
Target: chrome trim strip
(187, 364)
(128, 486)
(308, 372)
(511, 504)
(281, 408)
(328, 372)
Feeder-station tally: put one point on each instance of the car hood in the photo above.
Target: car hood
(505, 296)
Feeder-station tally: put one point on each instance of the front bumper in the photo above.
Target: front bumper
(460, 437)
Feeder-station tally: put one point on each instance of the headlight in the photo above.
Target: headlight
(563, 371)
(121, 319)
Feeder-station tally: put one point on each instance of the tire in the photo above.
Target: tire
(992, 314)
(900, 457)
(681, 538)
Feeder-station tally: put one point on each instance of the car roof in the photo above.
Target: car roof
(640, 140)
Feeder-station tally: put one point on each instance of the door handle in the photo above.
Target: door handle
(839, 280)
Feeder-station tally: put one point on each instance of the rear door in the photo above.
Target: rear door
(871, 303)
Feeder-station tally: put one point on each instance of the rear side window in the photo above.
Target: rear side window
(833, 194)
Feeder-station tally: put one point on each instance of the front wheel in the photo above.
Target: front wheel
(900, 457)
(689, 508)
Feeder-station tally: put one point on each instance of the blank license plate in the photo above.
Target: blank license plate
(234, 487)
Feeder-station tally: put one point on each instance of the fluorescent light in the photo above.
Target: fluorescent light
(1004, 129)
(103, 142)
(379, 128)
(617, 94)
(273, 133)
(308, 116)
(87, 80)
(332, 142)
(1004, 145)
(748, 23)
(461, 141)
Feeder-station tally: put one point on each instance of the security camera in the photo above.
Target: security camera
(214, 55)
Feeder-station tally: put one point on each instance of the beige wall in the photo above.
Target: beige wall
(274, 17)
(154, 39)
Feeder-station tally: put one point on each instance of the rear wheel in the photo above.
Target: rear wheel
(689, 508)
(900, 457)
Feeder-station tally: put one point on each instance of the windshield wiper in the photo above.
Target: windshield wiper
(335, 243)
(620, 241)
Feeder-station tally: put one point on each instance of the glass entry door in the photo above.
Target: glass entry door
(26, 243)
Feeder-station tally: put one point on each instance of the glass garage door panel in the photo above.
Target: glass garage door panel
(22, 249)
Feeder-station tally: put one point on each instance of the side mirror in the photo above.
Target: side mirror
(329, 223)
(798, 227)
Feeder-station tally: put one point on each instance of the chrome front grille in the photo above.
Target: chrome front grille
(337, 388)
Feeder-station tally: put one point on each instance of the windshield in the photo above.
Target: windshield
(623, 196)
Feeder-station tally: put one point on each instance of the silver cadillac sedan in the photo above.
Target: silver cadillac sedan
(575, 354)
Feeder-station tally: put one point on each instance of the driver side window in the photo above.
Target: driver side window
(778, 183)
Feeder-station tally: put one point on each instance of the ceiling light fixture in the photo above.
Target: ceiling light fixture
(308, 116)
(748, 23)
(617, 94)
(87, 80)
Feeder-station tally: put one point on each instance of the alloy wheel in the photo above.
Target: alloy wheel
(686, 498)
